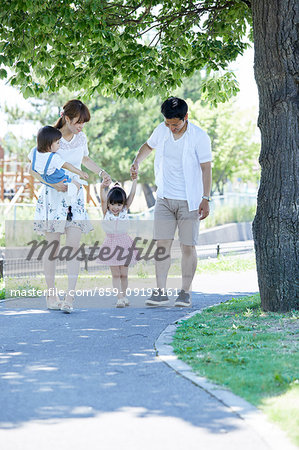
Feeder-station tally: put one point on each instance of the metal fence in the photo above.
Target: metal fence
(19, 268)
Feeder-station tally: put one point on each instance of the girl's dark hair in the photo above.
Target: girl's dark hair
(117, 195)
(73, 109)
(45, 138)
(174, 108)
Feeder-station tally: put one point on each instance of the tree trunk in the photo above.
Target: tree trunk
(275, 227)
(148, 194)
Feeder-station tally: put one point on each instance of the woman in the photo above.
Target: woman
(54, 215)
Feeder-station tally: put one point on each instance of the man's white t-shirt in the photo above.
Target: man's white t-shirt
(41, 161)
(173, 174)
(196, 151)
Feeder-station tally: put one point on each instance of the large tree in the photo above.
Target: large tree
(139, 48)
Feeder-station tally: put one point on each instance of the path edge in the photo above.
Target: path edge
(272, 435)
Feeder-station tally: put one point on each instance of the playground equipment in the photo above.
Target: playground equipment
(17, 184)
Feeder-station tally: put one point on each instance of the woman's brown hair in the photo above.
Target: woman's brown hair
(73, 109)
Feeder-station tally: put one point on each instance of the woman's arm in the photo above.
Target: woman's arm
(60, 187)
(132, 193)
(91, 165)
(74, 169)
(103, 196)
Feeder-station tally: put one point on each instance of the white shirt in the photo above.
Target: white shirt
(74, 150)
(71, 151)
(196, 150)
(173, 173)
(41, 161)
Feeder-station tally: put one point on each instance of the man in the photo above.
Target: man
(183, 178)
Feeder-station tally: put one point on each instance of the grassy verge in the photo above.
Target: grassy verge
(253, 353)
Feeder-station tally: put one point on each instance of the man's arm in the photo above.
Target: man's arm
(204, 207)
(60, 187)
(142, 154)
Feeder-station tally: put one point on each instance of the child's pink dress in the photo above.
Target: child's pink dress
(116, 236)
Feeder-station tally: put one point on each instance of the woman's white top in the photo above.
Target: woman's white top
(73, 151)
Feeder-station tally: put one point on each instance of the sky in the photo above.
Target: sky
(243, 68)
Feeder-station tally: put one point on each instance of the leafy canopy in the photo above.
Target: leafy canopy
(118, 47)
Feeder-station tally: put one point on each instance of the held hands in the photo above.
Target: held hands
(105, 177)
(106, 182)
(60, 187)
(134, 170)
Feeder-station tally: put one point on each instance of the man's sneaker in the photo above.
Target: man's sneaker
(183, 299)
(158, 298)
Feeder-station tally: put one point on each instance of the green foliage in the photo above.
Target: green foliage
(229, 214)
(117, 130)
(19, 146)
(235, 152)
(119, 127)
(119, 49)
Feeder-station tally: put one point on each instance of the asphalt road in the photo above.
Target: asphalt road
(91, 380)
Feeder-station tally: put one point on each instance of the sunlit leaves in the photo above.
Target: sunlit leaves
(118, 48)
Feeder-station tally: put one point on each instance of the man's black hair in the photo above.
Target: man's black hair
(174, 108)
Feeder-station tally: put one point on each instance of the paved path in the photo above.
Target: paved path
(91, 380)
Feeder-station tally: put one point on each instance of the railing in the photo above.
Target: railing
(18, 268)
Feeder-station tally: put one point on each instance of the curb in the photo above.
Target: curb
(273, 436)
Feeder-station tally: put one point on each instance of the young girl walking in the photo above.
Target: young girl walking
(50, 165)
(115, 205)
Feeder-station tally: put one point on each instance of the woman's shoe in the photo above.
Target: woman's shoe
(67, 304)
(53, 302)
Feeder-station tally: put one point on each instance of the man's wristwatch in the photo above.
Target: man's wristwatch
(100, 172)
(207, 198)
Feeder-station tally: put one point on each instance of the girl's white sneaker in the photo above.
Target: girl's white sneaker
(127, 303)
(120, 303)
(67, 304)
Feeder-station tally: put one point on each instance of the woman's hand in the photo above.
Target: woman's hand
(106, 182)
(60, 187)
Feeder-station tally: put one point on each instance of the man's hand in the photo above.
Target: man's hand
(134, 170)
(60, 187)
(204, 209)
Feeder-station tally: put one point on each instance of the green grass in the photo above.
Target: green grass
(253, 353)
(228, 263)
